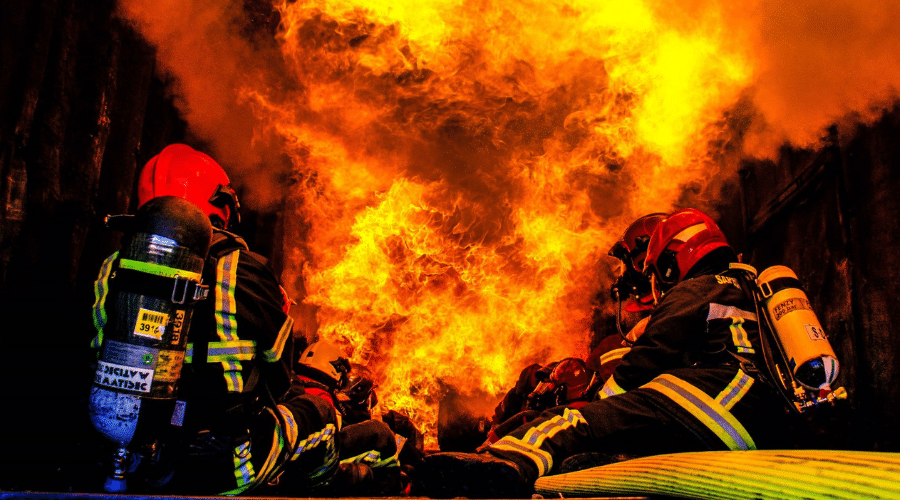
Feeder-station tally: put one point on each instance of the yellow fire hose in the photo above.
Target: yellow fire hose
(735, 475)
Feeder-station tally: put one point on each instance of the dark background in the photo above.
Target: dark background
(82, 106)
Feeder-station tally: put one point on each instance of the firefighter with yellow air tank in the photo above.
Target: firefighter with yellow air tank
(695, 380)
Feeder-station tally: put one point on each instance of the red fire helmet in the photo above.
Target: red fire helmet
(182, 171)
(631, 249)
(572, 374)
(679, 242)
(632, 246)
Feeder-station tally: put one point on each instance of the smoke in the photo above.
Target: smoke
(207, 51)
(815, 63)
(819, 63)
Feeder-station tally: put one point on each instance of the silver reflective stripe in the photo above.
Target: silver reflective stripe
(718, 311)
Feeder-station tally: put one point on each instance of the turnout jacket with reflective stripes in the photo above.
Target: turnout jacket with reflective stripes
(686, 360)
(693, 325)
(239, 329)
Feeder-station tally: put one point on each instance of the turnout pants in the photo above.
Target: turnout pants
(641, 422)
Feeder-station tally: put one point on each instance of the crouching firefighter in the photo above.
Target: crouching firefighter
(689, 383)
(234, 423)
(369, 449)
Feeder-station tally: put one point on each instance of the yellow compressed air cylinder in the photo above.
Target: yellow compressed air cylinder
(809, 354)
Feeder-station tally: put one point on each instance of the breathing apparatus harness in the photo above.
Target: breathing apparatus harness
(781, 366)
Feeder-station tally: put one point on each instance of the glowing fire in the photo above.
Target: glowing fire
(460, 167)
(465, 166)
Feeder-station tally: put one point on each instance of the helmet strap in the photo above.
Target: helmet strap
(225, 197)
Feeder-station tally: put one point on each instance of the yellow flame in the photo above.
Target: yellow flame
(465, 165)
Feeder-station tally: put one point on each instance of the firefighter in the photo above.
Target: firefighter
(238, 423)
(689, 383)
(632, 286)
(369, 456)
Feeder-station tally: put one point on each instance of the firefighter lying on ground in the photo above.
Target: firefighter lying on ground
(371, 450)
(689, 383)
(571, 387)
(239, 424)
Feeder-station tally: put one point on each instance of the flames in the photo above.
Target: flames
(464, 167)
(457, 169)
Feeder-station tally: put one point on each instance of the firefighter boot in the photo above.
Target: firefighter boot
(590, 460)
(472, 475)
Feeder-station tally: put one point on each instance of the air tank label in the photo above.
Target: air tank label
(790, 305)
(150, 324)
(815, 332)
(177, 325)
(123, 377)
(168, 365)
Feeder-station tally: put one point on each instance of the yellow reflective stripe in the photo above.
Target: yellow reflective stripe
(541, 458)
(373, 459)
(271, 466)
(331, 454)
(226, 321)
(157, 269)
(610, 388)
(735, 390)
(313, 441)
(529, 445)
(274, 354)
(233, 350)
(291, 433)
(613, 355)
(367, 457)
(705, 409)
(224, 351)
(739, 336)
(101, 291)
(244, 475)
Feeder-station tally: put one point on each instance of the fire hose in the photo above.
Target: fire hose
(737, 475)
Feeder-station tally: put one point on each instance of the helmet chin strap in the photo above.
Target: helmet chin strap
(654, 290)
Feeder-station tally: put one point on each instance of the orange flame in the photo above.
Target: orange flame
(460, 167)
(465, 166)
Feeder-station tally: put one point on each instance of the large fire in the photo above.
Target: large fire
(459, 168)
(465, 166)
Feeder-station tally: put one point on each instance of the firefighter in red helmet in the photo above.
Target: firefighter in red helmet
(689, 383)
(240, 424)
(182, 171)
(631, 285)
(631, 249)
